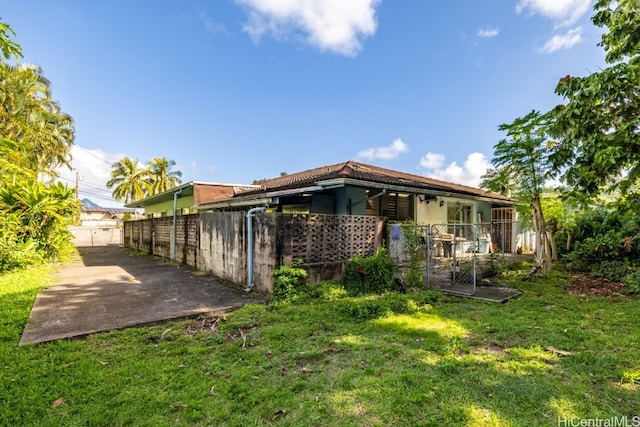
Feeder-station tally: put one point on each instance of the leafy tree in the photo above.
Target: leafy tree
(559, 220)
(599, 125)
(128, 180)
(35, 138)
(7, 46)
(160, 176)
(521, 164)
(29, 114)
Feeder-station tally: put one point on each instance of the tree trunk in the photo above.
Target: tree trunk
(551, 238)
(542, 255)
(569, 240)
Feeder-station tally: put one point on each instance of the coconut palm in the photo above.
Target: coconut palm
(128, 180)
(160, 176)
(29, 115)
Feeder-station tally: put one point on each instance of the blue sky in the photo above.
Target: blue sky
(237, 90)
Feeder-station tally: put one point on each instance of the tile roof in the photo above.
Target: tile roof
(369, 173)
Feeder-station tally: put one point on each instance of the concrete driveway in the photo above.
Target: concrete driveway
(107, 288)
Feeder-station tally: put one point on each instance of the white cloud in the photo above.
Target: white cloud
(330, 25)
(469, 173)
(563, 12)
(432, 161)
(488, 32)
(389, 152)
(563, 41)
(93, 168)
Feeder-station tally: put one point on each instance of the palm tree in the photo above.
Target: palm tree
(160, 176)
(29, 115)
(128, 180)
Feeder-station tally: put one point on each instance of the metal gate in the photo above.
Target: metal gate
(449, 254)
(452, 258)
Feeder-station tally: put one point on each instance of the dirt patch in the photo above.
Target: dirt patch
(583, 284)
(207, 324)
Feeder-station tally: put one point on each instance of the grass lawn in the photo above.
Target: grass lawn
(414, 359)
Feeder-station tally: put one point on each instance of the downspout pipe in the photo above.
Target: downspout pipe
(250, 216)
(175, 224)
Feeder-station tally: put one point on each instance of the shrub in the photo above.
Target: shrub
(633, 281)
(287, 279)
(413, 246)
(372, 274)
(615, 270)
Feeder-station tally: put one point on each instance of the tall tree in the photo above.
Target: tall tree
(598, 127)
(128, 180)
(161, 177)
(29, 115)
(8, 47)
(35, 137)
(521, 164)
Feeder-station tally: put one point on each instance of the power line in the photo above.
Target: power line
(84, 184)
(91, 154)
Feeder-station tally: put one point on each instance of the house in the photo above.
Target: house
(355, 188)
(93, 215)
(184, 198)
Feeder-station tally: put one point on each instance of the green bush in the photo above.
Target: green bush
(615, 270)
(288, 278)
(413, 248)
(633, 281)
(372, 274)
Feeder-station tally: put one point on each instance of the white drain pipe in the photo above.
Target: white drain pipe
(250, 216)
(175, 223)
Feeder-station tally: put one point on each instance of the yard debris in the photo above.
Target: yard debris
(278, 413)
(584, 285)
(166, 331)
(208, 324)
(57, 402)
(552, 349)
(244, 338)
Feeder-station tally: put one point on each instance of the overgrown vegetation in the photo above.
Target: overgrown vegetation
(334, 359)
(288, 278)
(372, 274)
(605, 244)
(35, 139)
(413, 249)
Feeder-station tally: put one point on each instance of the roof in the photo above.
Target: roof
(206, 191)
(356, 173)
(364, 172)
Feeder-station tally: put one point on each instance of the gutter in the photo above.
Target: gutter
(175, 223)
(250, 216)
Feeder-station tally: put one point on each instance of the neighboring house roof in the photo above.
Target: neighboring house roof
(89, 206)
(354, 173)
(202, 192)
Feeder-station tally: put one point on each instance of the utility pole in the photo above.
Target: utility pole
(77, 180)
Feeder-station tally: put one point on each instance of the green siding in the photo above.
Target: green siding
(166, 208)
(355, 195)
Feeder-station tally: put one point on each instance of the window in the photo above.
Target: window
(458, 213)
(395, 206)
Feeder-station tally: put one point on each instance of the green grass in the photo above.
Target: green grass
(330, 359)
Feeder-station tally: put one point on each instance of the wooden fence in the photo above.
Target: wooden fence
(217, 242)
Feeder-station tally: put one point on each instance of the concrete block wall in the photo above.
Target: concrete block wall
(216, 242)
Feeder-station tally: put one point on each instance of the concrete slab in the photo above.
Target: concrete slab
(107, 288)
(485, 292)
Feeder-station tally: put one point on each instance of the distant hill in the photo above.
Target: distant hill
(88, 204)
